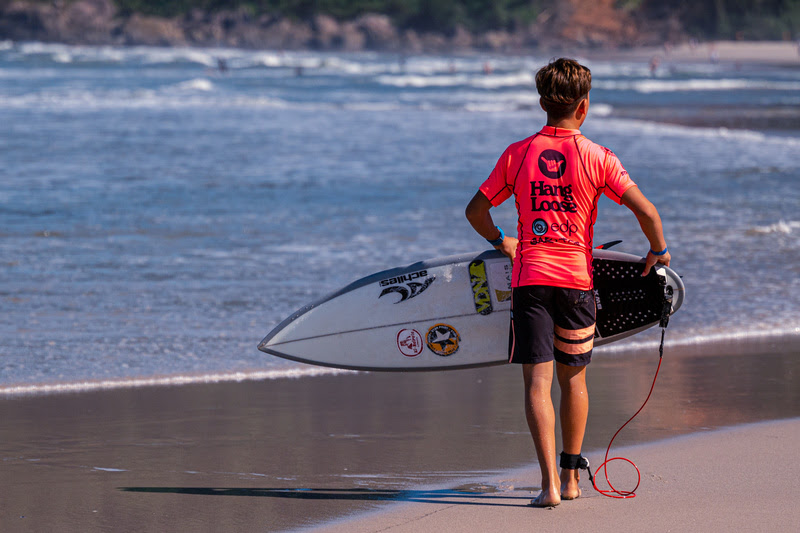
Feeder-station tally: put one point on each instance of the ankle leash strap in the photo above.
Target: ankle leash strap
(574, 461)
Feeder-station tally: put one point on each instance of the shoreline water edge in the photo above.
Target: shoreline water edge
(722, 344)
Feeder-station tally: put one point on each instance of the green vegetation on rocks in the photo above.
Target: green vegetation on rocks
(721, 19)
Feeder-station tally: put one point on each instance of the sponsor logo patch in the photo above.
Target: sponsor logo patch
(561, 199)
(409, 342)
(597, 302)
(480, 287)
(442, 340)
(500, 280)
(407, 285)
(539, 227)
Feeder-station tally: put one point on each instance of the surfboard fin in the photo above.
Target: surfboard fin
(607, 245)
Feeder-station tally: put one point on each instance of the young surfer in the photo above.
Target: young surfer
(557, 177)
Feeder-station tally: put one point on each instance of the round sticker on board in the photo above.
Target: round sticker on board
(443, 340)
(409, 342)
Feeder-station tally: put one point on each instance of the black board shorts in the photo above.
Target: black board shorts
(551, 323)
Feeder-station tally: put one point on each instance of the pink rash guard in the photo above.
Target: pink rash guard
(556, 177)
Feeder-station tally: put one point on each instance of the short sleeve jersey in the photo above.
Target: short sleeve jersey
(556, 177)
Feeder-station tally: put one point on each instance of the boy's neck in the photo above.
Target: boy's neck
(573, 121)
(565, 124)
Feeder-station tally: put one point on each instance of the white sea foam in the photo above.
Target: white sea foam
(147, 55)
(196, 84)
(418, 81)
(496, 101)
(663, 129)
(726, 84)
(274, 60)
(407, 72)
(372, 106)
(123, 383)
(158, 56)
(207, 57)
(480, 81)
(781, 226)
(62, 53)
(514, 79)
(600, 110)
(489, 107)
(356, 68)
(198, 93)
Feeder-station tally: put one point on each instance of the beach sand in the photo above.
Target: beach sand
(285, 454)
(779, 53)
(740, 479)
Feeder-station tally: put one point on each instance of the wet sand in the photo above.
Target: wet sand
(292, 453)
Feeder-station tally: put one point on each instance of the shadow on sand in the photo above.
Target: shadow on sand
(448, 496)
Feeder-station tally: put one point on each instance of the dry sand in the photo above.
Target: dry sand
(741, 479)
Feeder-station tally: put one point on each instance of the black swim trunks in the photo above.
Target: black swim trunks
(551, 323)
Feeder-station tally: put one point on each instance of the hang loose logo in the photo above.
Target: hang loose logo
(552, 164)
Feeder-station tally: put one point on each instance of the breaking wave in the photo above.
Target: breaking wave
(780, 227)
(655, 85)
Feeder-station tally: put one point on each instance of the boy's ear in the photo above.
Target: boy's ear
(583, 108)
(541, 104)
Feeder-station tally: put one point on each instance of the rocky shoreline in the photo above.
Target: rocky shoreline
(595, 23)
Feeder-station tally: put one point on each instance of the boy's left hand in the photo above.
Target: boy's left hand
(509, 247)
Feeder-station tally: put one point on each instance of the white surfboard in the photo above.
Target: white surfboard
(453, 312)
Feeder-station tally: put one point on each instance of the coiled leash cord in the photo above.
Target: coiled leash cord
(583, 463)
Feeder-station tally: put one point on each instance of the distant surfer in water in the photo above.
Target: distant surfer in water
(557, 177)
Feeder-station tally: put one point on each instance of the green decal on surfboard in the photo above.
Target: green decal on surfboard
(480, 287)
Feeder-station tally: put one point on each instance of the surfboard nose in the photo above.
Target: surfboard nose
(267, 343)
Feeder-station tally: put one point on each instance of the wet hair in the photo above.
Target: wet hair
(562, 84)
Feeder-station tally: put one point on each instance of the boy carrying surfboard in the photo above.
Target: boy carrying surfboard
(557, 177)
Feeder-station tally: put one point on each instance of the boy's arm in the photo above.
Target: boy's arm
(650, 222)
(477, 213)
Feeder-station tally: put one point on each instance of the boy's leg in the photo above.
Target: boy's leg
(541, 419)
(573, 415)
(573, 342)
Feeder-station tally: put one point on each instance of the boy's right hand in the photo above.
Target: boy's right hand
(509, 247)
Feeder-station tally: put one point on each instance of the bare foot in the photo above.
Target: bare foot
(569, 484)
(546, 498)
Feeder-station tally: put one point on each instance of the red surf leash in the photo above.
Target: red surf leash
(613, 492)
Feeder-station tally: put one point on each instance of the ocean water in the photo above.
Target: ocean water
(158, 216)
